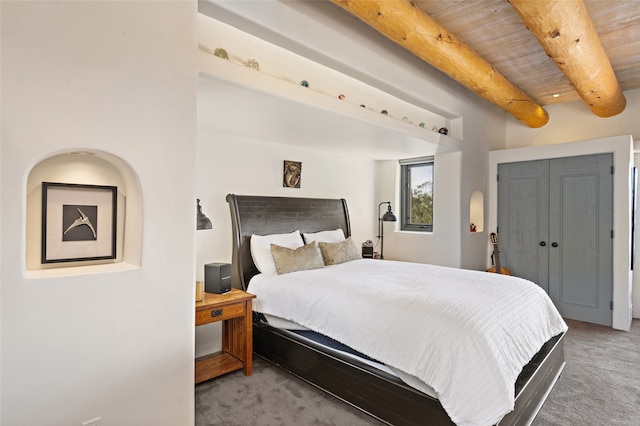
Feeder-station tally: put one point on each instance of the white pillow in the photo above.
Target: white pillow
(261, 249)
(325, 236)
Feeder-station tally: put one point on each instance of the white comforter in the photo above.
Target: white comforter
(467, 334)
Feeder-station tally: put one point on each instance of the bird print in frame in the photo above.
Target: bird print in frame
(79, 222)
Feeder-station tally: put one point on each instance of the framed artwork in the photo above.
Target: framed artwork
(292, 174)
(78, 222)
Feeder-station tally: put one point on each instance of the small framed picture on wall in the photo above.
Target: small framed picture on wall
(78, 222)
(292, 174)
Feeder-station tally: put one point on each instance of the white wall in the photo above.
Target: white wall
(117, 77)
(339, 40)
(573, 121)
(1, 218)
(622, 149)
(456, 177)
(120, 77)
(424, 247)
(330, 36)
(635, 299)
(229, 164)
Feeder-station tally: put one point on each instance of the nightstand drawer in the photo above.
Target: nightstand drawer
(219, 314)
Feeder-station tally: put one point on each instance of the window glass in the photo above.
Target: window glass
(417, 195)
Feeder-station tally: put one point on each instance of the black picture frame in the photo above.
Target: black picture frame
(78, 222)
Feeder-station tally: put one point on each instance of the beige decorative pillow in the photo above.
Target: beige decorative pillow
(344, 251)
(300, 259)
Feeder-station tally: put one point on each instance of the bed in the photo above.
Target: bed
(377, 391)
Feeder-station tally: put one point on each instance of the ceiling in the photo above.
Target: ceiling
(508, 66)
(495, 31)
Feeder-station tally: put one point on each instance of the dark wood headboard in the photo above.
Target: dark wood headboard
(276, 215)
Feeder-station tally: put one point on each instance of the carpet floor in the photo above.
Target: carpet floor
(600, 385)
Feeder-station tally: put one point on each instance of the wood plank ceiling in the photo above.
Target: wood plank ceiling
(494, 30)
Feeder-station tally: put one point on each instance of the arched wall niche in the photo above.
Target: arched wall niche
(87, 167)
(476, 211)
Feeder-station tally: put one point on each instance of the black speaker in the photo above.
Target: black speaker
(217, 277)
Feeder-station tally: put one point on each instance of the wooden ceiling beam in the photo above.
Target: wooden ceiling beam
(410, 27)
(566, 32)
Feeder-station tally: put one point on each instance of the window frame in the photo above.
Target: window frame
(405, 192)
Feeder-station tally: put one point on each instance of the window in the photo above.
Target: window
(417, 194)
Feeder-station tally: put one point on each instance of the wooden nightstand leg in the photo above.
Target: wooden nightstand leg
(237, 340)
(248, 335)
(233, 337)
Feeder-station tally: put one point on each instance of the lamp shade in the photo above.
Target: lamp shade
(203, 221)
(389, 216)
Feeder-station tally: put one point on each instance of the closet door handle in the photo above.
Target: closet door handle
(543, 243)
(554, 244)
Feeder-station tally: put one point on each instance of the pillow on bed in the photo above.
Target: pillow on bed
(261, 248)
(344, 251)
(324, 236)
(300, 259)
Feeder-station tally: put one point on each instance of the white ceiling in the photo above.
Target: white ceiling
(491, 27)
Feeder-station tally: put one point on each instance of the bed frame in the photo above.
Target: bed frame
(372, 391)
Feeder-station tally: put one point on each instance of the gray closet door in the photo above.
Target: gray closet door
(523, 219)
(580, 232)
(555, 219)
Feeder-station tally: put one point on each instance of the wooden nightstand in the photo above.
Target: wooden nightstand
(234, 310)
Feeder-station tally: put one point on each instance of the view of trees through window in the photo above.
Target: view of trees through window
(422, 203)
(417, 195)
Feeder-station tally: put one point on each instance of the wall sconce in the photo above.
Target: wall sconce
(387, 217)
(203, 221)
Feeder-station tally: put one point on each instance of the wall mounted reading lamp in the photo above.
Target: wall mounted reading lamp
(203, 221)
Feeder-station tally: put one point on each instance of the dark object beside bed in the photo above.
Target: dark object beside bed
(380, 394)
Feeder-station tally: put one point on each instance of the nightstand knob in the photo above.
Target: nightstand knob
(216, 313)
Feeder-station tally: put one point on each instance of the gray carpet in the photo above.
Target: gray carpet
(599, 386)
